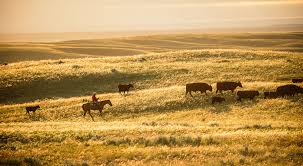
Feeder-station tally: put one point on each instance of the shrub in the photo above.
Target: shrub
(32, 162)
(247, 152)
(10, 162)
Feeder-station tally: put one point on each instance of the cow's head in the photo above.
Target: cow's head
(239, 84)
(131, 85)
(210, 88)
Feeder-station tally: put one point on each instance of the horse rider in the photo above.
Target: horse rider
(94, 98)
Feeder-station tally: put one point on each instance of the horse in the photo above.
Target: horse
(95, 106)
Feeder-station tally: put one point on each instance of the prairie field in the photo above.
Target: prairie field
(155, 123)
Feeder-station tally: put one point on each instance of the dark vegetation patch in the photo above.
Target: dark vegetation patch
(9, 55)
(8, 140)
(164, 141)
(248, 152)
(257, 126)
(20, 161)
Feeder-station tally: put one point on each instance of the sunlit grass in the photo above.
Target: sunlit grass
(155, 124)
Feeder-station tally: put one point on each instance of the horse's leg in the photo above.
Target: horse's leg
(90, 115)
(100, 110)
(84, 113)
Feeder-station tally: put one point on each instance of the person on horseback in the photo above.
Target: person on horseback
(94, 98)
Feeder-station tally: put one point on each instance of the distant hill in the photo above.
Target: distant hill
(279, 41)
(65, 36)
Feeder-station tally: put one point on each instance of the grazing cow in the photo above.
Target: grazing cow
(217, 99)
(202, 87)
(31, 108)
(124, 88)
(248, 94)
(270, 95)
(289, 90)
(297, 80)
(225, 86)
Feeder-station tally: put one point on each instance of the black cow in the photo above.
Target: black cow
(32, 108)
(289, 90)
(248, 94)
(270, 95)
(202, 87)
(225, 86)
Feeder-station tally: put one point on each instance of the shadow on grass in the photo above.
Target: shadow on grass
(16, 162)
(187, 103)
(69, 86)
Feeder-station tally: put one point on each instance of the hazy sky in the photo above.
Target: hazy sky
(28, 16)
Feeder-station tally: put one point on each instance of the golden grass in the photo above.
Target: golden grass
(156, 124)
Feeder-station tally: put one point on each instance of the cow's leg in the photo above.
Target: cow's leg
(190, 94)
(217, 91)
(84, 113)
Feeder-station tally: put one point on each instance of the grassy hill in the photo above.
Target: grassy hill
(15, 52)
(156, 124)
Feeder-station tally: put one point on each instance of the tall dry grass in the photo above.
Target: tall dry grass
(156, 124)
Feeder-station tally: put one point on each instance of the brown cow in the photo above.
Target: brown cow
(124, 88)
(270, 95)
(202, 87)
(32, 108)
(225, 86)
(217, 99)
(248, 94)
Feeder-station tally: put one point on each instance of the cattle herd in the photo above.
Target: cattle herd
(281, 91)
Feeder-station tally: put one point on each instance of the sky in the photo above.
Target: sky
(39, 16)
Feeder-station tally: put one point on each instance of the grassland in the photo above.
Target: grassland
(156, 124)
(16, 51)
